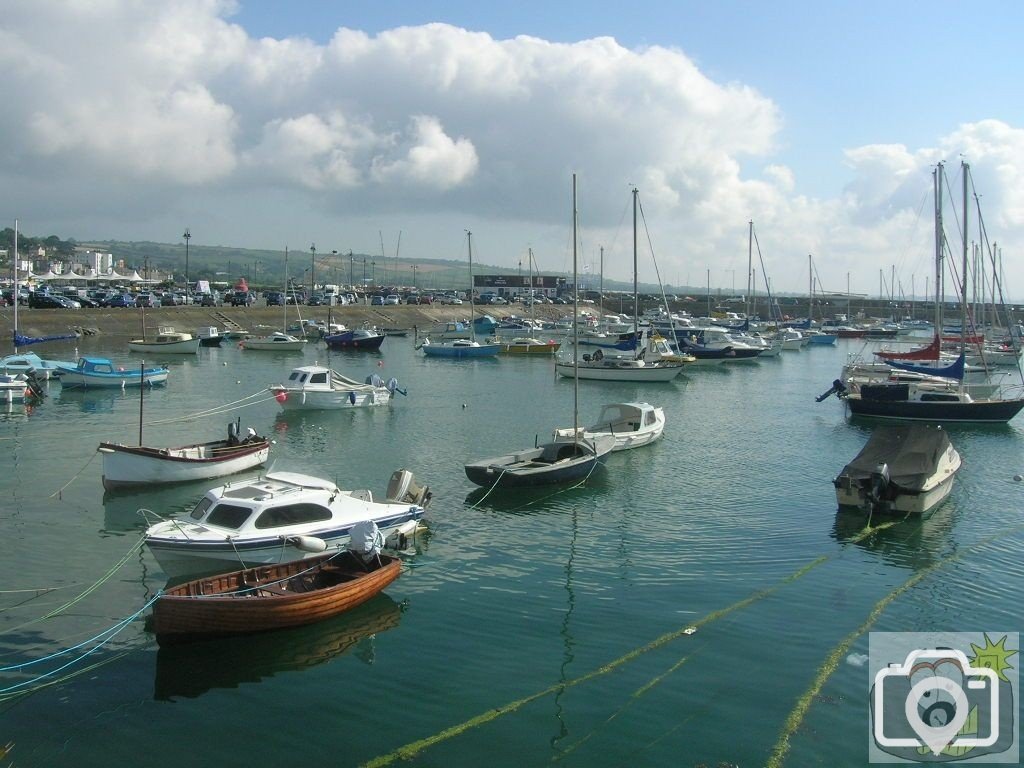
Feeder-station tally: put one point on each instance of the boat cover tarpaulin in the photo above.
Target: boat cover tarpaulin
(912, 452)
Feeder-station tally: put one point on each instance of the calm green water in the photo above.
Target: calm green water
(527, 630)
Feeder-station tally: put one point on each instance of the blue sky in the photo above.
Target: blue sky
(266, 124)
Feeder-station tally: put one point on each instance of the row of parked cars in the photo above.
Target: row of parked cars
(74, 299)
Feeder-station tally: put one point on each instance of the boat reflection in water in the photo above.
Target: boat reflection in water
(189, 670)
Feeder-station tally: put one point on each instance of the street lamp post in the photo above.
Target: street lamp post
(312, 268)
(415, 267)
(373, 277)
(187, 236)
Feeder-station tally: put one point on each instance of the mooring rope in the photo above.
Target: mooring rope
(223, 408)
(107, 635)
(831, 663)
(85, 593)
(60, 490)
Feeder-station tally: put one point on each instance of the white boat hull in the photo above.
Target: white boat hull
(85, 381)
(186, 347)
(614, 372)
(912, 504)
(124, 468)
(311, 400)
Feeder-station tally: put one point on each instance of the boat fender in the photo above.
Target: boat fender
(307, 543)
(281, 396)
(352, 397)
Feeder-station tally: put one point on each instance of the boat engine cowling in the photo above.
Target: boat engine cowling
(878, 484)
(366, 540)
(403, 489)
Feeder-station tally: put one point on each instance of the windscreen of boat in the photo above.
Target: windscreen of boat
(292, 514)
(318, 378)
(228, 516)
(201, 507)
(298, 375)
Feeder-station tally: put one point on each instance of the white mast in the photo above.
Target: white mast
(575, 324)
(472, 324)
(16, 293)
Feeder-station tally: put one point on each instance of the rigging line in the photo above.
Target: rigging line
(414, 748)
(82, 595)
(831, 663)
(650, 245)
(59, 491)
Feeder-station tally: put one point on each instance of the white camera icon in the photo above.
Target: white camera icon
(936, 706)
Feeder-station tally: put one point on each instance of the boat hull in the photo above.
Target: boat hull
(179, 557)
(348, 341)
(70, 379)
(291, 595)
(186, 347)
(611, 370)
(337, 399)
(904, 503)
(546, 464)
(131, 466)
(978, 411)
(445, 350)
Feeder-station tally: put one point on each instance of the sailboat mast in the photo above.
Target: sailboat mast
(15, 292)
(750, 267)
(575, 323)
(284, 327)
(636, 290)
(810, 289)
(472, 318)
(937, 177)
(966, 170)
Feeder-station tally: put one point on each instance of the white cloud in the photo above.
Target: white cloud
(435, 160)
(172, 106)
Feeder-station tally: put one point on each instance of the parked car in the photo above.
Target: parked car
(40, 300)
(210, 300)
(84, 301)
(412, 298)
(377, 301)
(317, 300)
(146, 300)
(241, 298)
(274, 298)
(447, 299)
(121, 300)
(426, 299)
(172, 300)
(392, 298)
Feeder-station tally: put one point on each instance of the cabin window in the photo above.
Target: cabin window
(228, 516)
(318, 378)
(649, 418)
(294, 376)
(292, 514)
(201, 507)
(937, 398)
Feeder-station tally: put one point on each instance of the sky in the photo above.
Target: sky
(397, 126)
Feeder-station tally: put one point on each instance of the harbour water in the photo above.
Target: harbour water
(698, 602)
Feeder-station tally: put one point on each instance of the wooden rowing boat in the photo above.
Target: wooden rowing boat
(271, 596)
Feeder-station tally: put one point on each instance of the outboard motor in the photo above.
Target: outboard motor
(403, 489)
(233, 427)
(838, 389)
(365, 541)
(878, 484)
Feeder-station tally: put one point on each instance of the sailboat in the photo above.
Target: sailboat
(279, 340)
(920, 400)
(528, 345)
(553, 462)
(462, 347)
(601, 367)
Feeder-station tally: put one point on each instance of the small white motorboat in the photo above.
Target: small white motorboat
(167, 341)
(277, 340)
(126, 466)
(30, 362)
(631, 424)
(279, 517)
(313, 387)
(905, 469)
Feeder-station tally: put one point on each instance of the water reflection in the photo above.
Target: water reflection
(191, 669)
(913, 542)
